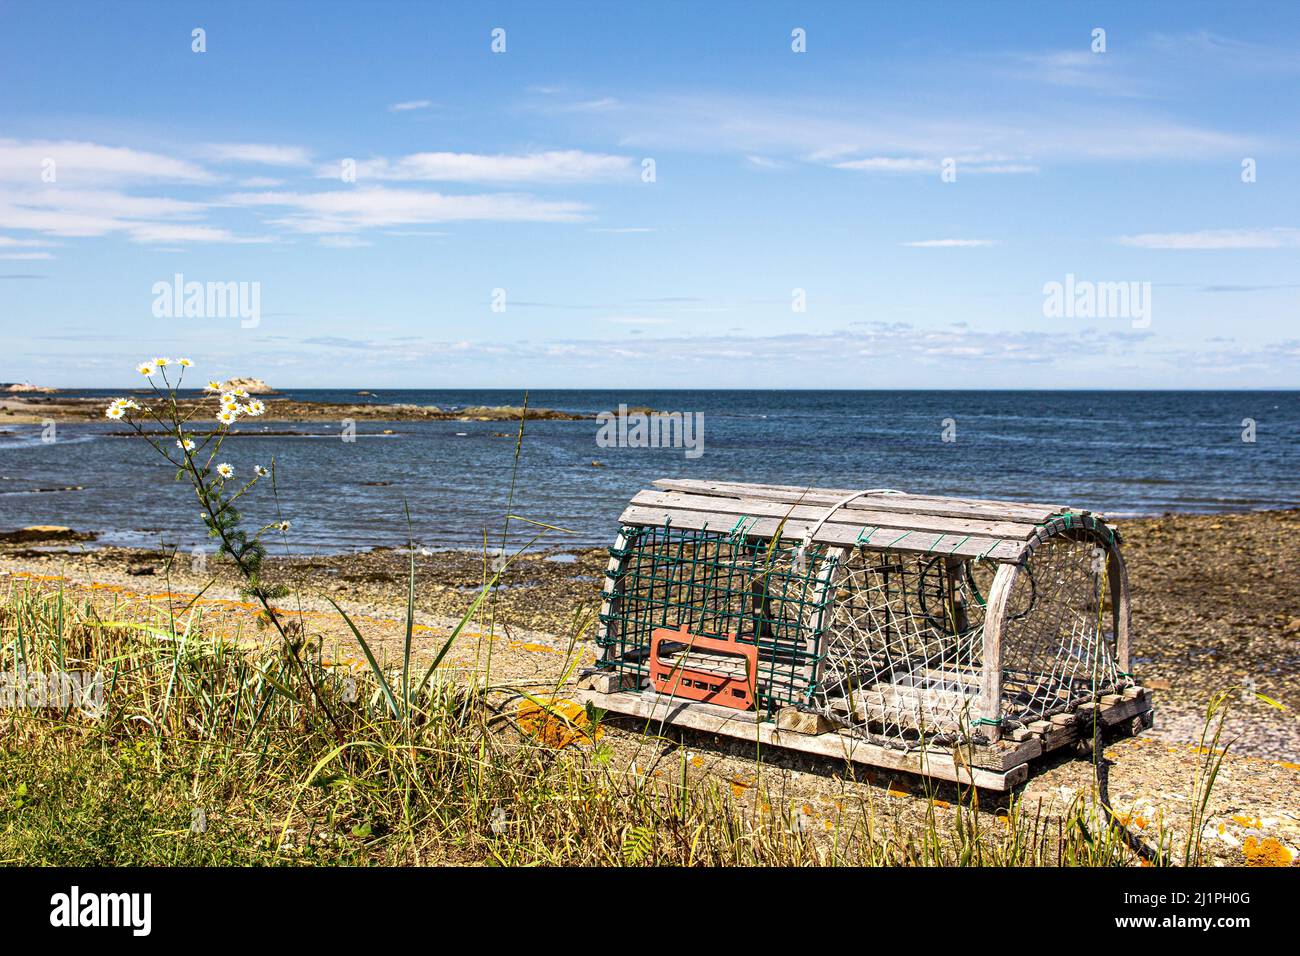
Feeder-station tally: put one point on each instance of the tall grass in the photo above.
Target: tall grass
(207, 752)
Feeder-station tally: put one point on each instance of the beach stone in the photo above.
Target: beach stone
(45, 532)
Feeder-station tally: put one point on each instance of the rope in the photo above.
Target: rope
(810, 533)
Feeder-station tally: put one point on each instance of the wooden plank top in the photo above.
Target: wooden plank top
(879, 520)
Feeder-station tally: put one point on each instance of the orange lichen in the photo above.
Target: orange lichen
(739, 785)
(1250, 823)
(558, 724)
(1267, 852)
(899, 788)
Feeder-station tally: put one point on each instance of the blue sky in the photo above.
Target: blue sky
(775, 171)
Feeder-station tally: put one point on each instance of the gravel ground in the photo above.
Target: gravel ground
(1216, 601)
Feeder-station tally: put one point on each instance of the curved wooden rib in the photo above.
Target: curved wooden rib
(1117, 574)
(995, 616)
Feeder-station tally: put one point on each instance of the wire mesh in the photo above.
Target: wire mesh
(717, 585)
(889, 644)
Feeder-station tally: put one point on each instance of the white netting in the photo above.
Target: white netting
(1059, 653)
(903, 649)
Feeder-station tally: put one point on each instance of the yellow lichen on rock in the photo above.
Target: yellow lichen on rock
(1266, 852)
(556, 723)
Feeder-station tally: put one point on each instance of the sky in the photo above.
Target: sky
(840, 195)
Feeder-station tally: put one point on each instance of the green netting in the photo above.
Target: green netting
(719, 584)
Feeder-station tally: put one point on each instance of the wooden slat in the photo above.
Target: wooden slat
(918, 542)
(930, 504)
(857, 517)
(844, 492)
(913, 504)
(655, 708)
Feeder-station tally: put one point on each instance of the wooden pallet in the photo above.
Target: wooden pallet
(1000, 767)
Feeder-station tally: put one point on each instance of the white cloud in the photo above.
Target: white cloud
(409, 105)
(887, 164)
(1276, 238)
(878, 137)
(555, 166)
(951, 243)
(343, 242)
(262, 154)
(70, 212)
(26, 255)
(347, 210)
(182, 232)
(91, 213)
(974, 165)
(89, 164)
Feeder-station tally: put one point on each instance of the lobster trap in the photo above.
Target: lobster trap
(898, 627)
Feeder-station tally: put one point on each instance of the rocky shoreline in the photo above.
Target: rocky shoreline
(35, 409)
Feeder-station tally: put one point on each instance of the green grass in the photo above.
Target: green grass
(192, 725)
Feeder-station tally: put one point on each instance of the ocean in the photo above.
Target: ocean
(1119, 452)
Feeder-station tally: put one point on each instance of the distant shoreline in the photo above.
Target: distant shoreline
(35, 410)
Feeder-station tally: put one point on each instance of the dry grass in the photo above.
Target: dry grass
(208, 753)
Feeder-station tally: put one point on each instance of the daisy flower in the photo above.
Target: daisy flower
(282, 526)
(260, 471)
(226, 416)
(256, 407)
(145, 368)
(186, 444)
(225, 470)
(239, 392)
(184, 363)
(114, 411)
(161, 362)
(213, 387)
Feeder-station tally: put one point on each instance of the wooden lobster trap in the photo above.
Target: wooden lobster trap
(956, 637)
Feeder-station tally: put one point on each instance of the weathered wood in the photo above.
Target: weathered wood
(728, 487)
(995, 613)
(608, 682)
(954, 569)
(915, 504)
(656, 709)
(1119, 606)
(884, 539)
(831, 569)
(803, 721)
(607, 633)
(858, 517)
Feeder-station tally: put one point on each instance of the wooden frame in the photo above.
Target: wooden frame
(968, 702)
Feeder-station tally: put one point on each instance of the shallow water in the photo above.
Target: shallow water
(1116, 452)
